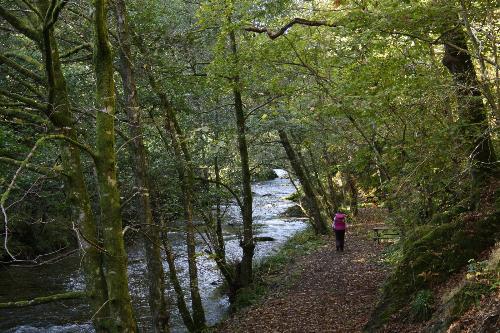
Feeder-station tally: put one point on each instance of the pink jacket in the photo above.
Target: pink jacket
(339, 222)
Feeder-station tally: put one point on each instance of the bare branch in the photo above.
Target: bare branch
(15, 113)
(230, 190)
(76, 49)
(260, 106)
(284, 29)
(28, 101)
(53, 13)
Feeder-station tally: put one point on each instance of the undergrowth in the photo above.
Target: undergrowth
(428, 257)
(421, 307)
(480, 280)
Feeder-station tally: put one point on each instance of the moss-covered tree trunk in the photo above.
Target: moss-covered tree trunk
(186, 176)
(220, 247)
(245, 270)
(174, 279)
(473, 119)
(312, 204)
(60, 114)
(321, 190)
(115, 261)
(151, 234)
(79, 197)
(334, 195)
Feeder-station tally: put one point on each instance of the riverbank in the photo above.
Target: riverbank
(309, 287)
(18, 284)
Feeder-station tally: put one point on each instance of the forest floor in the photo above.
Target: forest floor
(325, 291)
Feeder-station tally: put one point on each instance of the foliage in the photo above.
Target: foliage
(371, 111)
(264, 174)
(469, 295)
(433, 257)
(421, 306)
(374, 102)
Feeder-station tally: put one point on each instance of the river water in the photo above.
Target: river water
(73, 316)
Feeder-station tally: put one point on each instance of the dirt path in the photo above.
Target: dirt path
(331, 292)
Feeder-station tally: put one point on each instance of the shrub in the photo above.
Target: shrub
(422, 305)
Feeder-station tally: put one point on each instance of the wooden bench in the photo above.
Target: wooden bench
(384, 232)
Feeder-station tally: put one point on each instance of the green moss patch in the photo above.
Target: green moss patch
(262, 173)
(430, 256)
(469, 295)
(462, 300)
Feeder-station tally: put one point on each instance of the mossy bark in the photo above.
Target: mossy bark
(115, 261)
(151, 235)
(430, 257)
(186, 176)
(473, 120)
(353, 193)
(60, 114)
(244, 274)
(43, 299)
(78, 194)
(312, 204)
(321, 190)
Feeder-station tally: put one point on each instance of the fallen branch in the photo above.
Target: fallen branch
(44, 299)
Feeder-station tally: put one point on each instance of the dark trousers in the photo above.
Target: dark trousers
(339, 239)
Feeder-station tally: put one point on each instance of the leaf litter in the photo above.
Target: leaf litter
(330, 291)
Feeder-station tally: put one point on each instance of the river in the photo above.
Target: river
(17, 283)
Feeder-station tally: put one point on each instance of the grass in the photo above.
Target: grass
(270, 272)
(421, 307)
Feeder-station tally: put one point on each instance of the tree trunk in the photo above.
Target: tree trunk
(216, 236)
(312, 204)
(155, 274)
(334, 197)
(221, 246)
(61, 116)
(196, 304)
(115, 261)
(244, 272)
(186, 176)
(353, 194)
(43, 299)
(472, 113)
(325, 198)
(174, 279)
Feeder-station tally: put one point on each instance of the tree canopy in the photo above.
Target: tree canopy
(121, 119)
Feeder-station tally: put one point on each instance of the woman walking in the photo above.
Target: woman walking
(339, 227)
